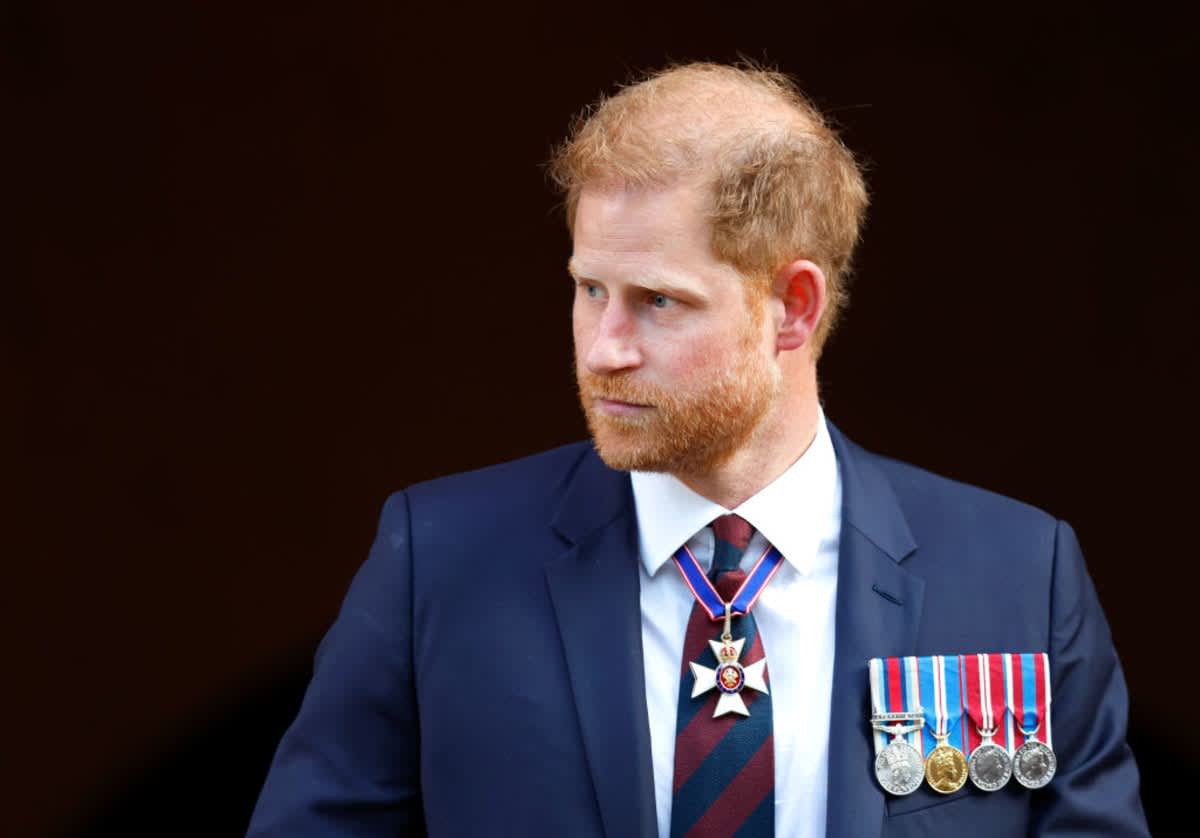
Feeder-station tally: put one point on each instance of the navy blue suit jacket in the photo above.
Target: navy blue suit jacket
(485, 678)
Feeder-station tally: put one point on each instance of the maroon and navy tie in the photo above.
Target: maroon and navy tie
(724, 767)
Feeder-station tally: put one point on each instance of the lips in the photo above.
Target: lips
(619, 393)
(619, 402)
(619, 396)
(614, 407)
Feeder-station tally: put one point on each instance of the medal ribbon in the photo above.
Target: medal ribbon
(1028, 687)
(985, 697)
(747, 595)
(941, 677)
(915, 693)
(1043, 666)
(895, 688)
(879, 699)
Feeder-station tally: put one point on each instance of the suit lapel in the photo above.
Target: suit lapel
(595, 590)
(878, 615)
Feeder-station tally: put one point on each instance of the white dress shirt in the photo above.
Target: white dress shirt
(800, 513)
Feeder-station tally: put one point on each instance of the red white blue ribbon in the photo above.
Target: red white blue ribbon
(941, 678)
(958, 694)
(1028, 687)
(896, 688)
(747, 595)
(984, 699)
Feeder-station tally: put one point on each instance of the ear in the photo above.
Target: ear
(800, 287)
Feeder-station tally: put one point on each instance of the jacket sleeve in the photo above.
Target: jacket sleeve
(349, 764)
(1095, 789)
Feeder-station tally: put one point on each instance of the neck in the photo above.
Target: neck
(782, 438)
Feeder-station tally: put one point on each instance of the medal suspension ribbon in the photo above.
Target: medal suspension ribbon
(915, 695)
(985, 698)
(904, 695)
(1028, 695)
(879, 699)
(941, 678)
(747, 595)
(895, 701)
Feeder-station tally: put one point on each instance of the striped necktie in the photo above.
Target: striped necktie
(724, 783)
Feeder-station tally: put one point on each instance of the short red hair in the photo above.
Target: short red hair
(782, 184)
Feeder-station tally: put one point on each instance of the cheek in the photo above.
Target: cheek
(684, 360)
(581, 329)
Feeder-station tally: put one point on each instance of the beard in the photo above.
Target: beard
(687, 431)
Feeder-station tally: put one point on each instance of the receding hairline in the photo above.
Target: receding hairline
(699, 112)
(726, 102)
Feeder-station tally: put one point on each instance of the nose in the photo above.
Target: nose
(614, 345)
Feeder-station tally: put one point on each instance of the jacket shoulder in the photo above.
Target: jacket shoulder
(929, 488)
(938, 508)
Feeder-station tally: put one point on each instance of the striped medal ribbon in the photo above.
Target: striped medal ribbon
(990, 765)
(1027, 677)
(747, 595)
(896, 713)
(945, 764)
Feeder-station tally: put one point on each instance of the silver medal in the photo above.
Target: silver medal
(1034, 764)
(990, 766)
(899, 767)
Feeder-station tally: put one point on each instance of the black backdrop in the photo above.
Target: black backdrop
(270, 263)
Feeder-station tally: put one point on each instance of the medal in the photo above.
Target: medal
(945, 766)
(990, 766)
(896, 712)
(960, 701)
(1034, 763)
(730, 677)
(898, 767)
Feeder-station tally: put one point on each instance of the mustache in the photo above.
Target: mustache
(618, 388)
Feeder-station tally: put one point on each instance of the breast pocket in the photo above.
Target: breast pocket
(968, 811)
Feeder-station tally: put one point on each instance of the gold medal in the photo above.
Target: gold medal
(946, 768)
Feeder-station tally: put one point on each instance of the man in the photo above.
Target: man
(529, 649)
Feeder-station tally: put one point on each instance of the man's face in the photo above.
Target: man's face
(674, 367)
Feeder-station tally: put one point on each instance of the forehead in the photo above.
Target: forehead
(645, 213)
(658, 230)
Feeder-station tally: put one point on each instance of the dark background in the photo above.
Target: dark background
(270, 263)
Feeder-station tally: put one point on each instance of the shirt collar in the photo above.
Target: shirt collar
(792, 511)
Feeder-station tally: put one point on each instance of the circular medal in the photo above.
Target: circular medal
(990, 767)
(946, 769)
(730, 677)
(1034, 764)
(898, 768)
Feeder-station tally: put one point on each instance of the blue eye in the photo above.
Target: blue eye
(660, 300)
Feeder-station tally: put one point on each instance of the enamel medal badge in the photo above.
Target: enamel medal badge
(730, 677)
